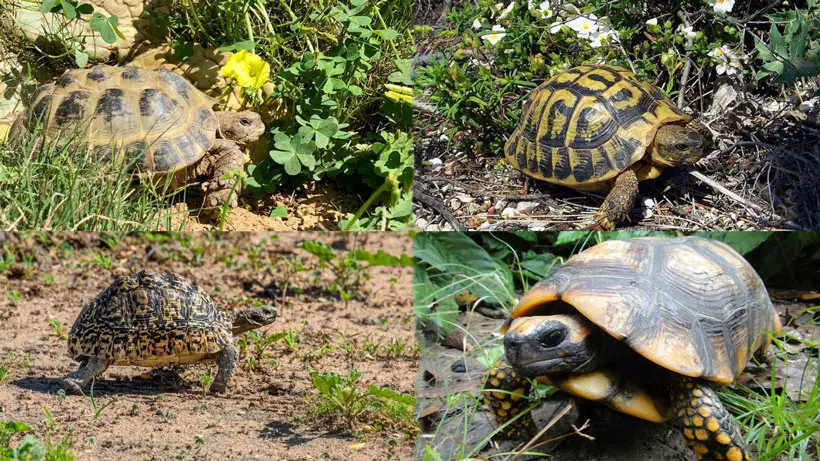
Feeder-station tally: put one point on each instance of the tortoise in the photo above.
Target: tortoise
(643, 326)
(160, 121)
(154, 320)
(600, 127)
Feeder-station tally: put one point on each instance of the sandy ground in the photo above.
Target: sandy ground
(267, 412)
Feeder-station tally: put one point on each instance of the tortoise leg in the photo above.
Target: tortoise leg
(505, 392)
(617, 204)
(708, 428)
(76, 381)
(223, 157)
(227, 363)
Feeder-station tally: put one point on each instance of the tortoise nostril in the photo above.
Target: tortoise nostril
(553, 338)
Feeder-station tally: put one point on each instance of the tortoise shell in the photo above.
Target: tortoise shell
(150, 320)
(156, 115)
(690, 304)
(588, 124)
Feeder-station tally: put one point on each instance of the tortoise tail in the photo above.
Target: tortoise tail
(708, 428)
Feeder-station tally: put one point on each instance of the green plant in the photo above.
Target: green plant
(13, 295)
(794, 53)
(329, 63)
(205, 381)
(57, 328)
(292, 267)
(61, 185)
(340, 397)
(31, 448)
(96, 408)
(67, 14)
(351, 269)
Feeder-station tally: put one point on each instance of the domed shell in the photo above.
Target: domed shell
(587, 124)
(158, 119)
(690, 304)
(150, 319)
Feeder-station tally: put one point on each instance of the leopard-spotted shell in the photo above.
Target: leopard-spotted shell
(158, 119)
(587, 124)
(149, 320)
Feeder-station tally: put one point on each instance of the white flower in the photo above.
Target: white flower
(506, 10)
(652, 22)
(496, 35)
(728, 62)
(721, 52)
(687, 32)
(543, 11)
(584, 26)
(476, 24)
(722, 6)
(603, 37)
(555, 27)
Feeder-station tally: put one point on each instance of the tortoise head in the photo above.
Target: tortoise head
(252, 318)
(679, 144)
(242, 127)
(542, 345)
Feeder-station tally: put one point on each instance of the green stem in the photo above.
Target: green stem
(385, 186)
(384, 26)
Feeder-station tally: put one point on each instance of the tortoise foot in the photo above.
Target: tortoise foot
(617, 204)
(505, 393)
(72, 386)
(708, 428)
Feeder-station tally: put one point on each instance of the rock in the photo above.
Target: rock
(525, 206)
(464, 198)
(432, 228)
(421, 223)
(509, 213)
(132, 20)
(725, 96)
(501, 204)
(455, 204)
(436, 164)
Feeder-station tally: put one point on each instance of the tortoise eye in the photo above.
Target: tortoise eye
(244, 122)
(682, 146)
(553, 338)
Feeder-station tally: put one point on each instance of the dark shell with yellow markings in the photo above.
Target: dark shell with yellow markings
(689, 304)
(150, 320)
(587, 124)
(156, 115)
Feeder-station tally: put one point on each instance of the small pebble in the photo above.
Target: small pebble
(525, 206)
(509, 213)
(458, 366)
(421, 223)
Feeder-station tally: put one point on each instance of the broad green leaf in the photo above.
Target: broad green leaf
(456, 254)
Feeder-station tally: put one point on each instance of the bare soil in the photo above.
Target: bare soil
(267, 413)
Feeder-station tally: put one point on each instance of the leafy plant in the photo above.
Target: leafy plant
(340, 397)
(794, 53)
(67, 14)
(57, 328)
(348, 270)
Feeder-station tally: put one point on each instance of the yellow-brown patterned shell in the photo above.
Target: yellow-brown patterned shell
(587, 124)
(155, 114)
(691, 305)
(150, 320)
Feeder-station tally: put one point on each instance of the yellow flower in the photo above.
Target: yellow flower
(248, 69)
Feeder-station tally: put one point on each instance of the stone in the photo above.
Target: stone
(132, 21)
